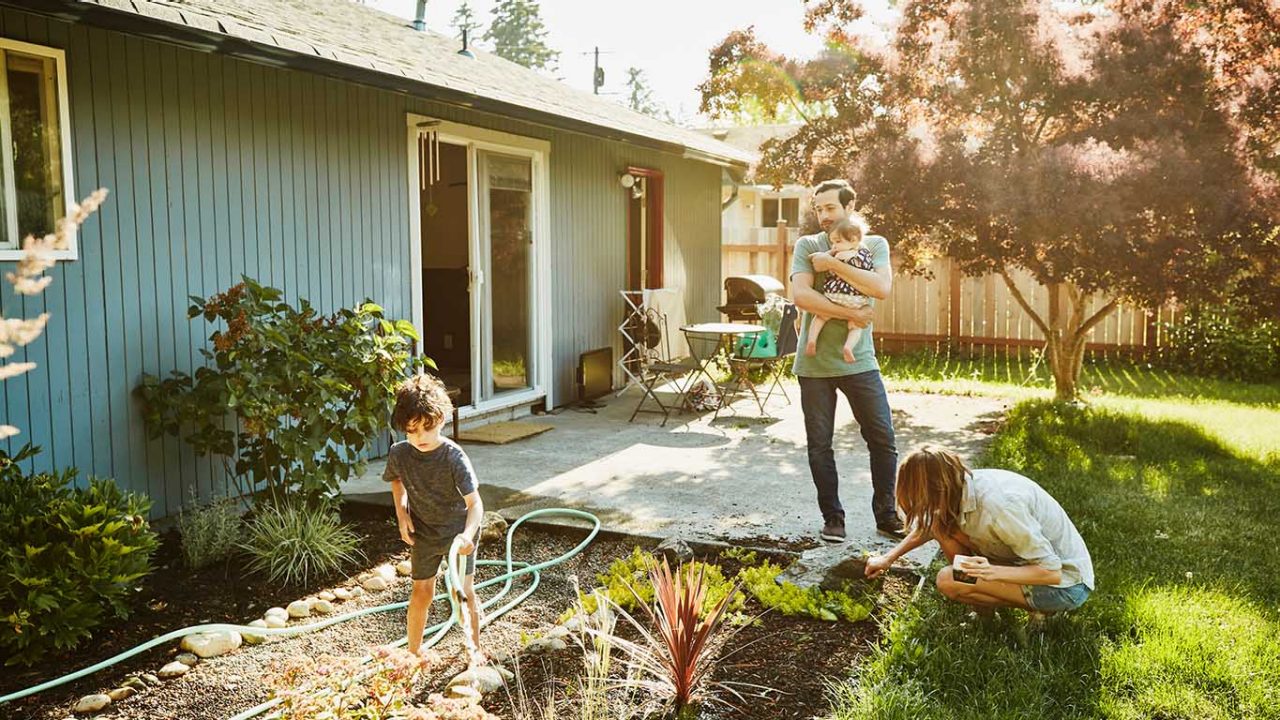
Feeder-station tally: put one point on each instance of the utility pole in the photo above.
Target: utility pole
(597, 77)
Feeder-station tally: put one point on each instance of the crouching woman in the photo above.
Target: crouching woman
(1010, 544)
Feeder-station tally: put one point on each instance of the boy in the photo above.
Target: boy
(436, 500)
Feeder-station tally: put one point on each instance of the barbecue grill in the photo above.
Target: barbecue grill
(742, 294)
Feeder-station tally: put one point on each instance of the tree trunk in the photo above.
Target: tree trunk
(1066, 333)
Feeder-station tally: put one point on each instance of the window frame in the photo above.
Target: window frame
(12, 250)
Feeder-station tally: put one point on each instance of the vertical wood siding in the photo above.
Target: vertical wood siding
(219, 167)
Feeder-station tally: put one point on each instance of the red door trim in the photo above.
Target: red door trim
(654, 204)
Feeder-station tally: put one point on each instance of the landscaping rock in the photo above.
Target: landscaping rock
(465, 692)
(276, 621)
(173, 670)
(276, 611)
(404, 567)
(493, 527)
(255, 639)
(675, 550)
(299, 609)
(151, 680)
(122, 693)
(342, 594)
(375, 583)
(322, 607)
(136, 683)
(484, 679)
(91, 704)
(559, 632)
(386, 572)
(326, 595)
(188, 659)
(357, 592)
(828, 567)
(537, 646)
(212, 644)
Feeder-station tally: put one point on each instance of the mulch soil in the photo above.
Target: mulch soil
(793, 657)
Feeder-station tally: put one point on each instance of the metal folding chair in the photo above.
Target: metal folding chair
(656, 367)
(775, 366)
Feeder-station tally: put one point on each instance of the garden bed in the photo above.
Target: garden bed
(792, 655)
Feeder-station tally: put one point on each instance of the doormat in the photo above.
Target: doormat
(501, 433)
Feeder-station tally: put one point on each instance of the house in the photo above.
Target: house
(753, 210)
(335, 152)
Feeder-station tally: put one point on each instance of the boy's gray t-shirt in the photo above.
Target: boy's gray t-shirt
(436, 482)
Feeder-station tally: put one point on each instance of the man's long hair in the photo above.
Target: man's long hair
(930, 490)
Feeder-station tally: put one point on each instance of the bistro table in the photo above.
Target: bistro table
(708, 340)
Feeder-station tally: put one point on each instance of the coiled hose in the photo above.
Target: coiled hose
(453, 587)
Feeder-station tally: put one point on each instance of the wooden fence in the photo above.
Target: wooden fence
(948, 307)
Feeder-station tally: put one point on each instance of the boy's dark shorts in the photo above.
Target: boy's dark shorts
(427, 554)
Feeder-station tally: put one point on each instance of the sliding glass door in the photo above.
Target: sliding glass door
(505, 188)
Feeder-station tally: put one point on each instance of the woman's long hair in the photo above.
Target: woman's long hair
(931, 488)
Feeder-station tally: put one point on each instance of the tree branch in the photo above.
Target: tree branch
(1022, 301)
(1097, 317)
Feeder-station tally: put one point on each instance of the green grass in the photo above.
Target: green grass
(1178, 497)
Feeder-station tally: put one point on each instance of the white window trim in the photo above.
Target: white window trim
(59, 57)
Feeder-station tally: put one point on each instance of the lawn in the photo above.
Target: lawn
(1175, 484)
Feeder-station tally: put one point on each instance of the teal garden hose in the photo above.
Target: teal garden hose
(513, 570)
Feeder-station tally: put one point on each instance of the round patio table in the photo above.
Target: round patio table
(723, 333)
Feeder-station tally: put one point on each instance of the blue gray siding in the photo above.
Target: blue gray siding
(219, 167)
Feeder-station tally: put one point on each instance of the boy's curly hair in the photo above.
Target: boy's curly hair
(421, 398)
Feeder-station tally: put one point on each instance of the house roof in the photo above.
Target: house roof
(382, 49)
(749, 138)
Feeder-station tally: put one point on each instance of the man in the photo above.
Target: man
(826, 372)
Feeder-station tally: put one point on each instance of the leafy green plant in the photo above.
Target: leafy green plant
(209, 533)
(308, 392)
(788, 599)
(293, 543)
(674, 658)
(70, 555)
(1222, 341)
(345, 688)
(627, 583)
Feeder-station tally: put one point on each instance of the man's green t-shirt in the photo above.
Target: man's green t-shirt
(829, 360)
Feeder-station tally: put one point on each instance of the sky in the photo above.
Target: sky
(669, 40)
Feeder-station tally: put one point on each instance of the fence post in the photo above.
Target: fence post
(782, 256)
(953, 279)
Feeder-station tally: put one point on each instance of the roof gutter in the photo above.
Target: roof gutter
(168, 26)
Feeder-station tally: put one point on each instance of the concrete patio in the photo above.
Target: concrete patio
(742, 479)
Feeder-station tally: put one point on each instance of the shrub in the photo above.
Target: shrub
(1223, 342)
(674, 657)
(209, 533)
(627, 583)
(70, 555)
(293, 543)
(344, 688)
(831, 605)
(309, 392)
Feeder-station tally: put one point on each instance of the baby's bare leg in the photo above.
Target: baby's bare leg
(815, 329)
(855, 334)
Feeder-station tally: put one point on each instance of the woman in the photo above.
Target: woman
(1009, 542)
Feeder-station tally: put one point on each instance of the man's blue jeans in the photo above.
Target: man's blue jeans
(870, 404)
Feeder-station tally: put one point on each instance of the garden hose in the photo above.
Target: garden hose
(514, 569)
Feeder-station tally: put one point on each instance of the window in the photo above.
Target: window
(790, 211)
(34, 136)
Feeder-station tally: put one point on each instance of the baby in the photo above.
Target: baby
(846, 245)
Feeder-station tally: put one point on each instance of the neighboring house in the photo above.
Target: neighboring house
(752, 210)
(332, 151)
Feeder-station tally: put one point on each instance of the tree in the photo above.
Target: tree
(464, 21)
(640, 97)
(517, 34)
(1117, 152)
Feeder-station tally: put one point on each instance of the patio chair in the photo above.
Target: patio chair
(656, 367)
(781, 352)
